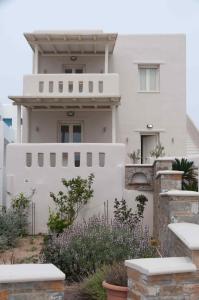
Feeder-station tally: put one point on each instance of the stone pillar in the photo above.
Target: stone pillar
(32, 282)
(176, 207)
(173, 278)
(164, 181)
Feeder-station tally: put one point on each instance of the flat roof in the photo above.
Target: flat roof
(71, 42)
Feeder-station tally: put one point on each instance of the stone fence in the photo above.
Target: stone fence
(31, 282)
(170, 278)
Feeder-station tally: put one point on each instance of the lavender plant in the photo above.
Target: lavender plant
(84, 247)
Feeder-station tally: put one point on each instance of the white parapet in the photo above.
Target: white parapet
(158, 266)
(43, 166)
(72, 85)
(30, 273)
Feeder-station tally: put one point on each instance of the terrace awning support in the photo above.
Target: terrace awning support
(18, 123)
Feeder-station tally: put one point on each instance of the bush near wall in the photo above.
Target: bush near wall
(84, 247)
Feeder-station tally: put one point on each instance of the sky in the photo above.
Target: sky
(122, 16)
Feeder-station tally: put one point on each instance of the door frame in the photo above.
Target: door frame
(70, 123)
(157, 134)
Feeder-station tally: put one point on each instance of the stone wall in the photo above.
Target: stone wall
(176, 286)
(170, 278)
(31, 282)
(139, 177)
(42, 290)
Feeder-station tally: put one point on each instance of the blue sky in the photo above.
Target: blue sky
(127, 16)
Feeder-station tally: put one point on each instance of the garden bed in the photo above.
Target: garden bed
(27, 250)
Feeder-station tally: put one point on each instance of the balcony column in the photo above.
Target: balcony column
(113, 124)
(18, 123)
(28, 125)
(36, 60)
(106, 58)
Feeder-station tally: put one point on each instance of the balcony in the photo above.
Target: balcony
(72, 85)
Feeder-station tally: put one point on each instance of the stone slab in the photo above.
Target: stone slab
(29, 273)
(166, 265)
(188, 233)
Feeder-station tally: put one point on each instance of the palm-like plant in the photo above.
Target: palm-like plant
(190, 176)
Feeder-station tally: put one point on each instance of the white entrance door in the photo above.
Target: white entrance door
(70, 133)
(148, 143)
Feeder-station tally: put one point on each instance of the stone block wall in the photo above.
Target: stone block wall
(31, 282)
(139, 177)
(168, 278)
(175, 207)
(42, 290)
(177, 286)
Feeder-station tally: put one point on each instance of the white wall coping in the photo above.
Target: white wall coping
(139, 165)
(188, 233)
(30, 272)
(168, 172)
(166, 265)
(180, 193)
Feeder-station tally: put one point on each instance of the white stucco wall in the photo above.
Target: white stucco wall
(53, 65)
(96, 126)
(108, 183)
(166, 110)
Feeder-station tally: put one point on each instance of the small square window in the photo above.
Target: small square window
(149, 78)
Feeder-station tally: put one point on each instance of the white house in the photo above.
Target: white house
(94, 97)
(7, 135)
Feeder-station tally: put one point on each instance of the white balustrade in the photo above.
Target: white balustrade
(74, 85)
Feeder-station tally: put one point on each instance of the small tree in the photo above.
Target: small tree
(68, 204)
(125, 215)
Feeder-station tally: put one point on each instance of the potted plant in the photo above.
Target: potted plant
(115, 282)
(135, 156)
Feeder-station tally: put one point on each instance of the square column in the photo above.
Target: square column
(18, 123)
(36, 60)
(114, 124)
(106, 58)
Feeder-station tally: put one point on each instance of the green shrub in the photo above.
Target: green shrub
(14, 221)
(68, 204)
(125, 215)
(83, 248)
(190, 175)
(10, 229)
(92, 288)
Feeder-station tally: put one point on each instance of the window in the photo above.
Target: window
(149, 78)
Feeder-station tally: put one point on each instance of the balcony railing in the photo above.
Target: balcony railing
(72, 85)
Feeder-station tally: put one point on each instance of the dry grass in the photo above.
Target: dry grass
(27, 251)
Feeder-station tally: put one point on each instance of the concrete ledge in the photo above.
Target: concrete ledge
(29, 273)
(188, 233)
(157, 266)
(169, 172)
(179, 193)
